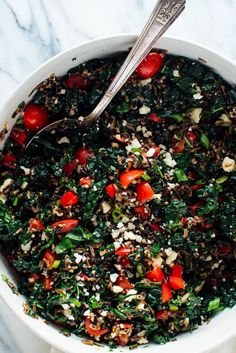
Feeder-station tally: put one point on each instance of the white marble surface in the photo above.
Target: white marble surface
(31, 31)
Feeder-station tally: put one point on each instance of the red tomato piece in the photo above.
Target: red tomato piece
(197, 186)
(69, 198)
(69, 167)
(196, 206)
(19, 136)
(155, 118)
(142, 212)
(9, 160)
(82, 155)
(144, 192)
(111, 189)
(125, 262)
(123, 338)
(86, 182)
(177, 270)
(123, 251)
(126, 178)
(150, 65)
(94, 331)
(156, 227)
(65, 225)
(47, 283)
(156, 275)
(49, 258)
(176, 282)
(36, 225)
(191, 136)
(76, 80)
(184, 220)
(162, 315)
(179, 146)
(35, 117)
(124, 283)
(166, 293)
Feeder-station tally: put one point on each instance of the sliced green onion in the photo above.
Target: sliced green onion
(155, 250)
(205, 141)
(15, 201)
(139, 150)
(123, 108)
(76, 303)
(140, 270)
(159, 171)
(222, 179)
(180, 174)
(213, 304)
(145, 176)
(116, 214)
(56, 264)
(177, 117)
(118, 313)
(173, 307)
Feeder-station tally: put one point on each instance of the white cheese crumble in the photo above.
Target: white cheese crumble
(113, 277)
(6, 184)
(27, 246)
(134, 144)
(228, 164)
(151, 152)
(78, 258)
(105, 207)
(144, 110)
(169, 161)
(24, 185)
(117, 289)
(25, 170)
(196, 115)
(64, 139)
(197, 96)
(145, 82)
(128, 235)
(176, 73)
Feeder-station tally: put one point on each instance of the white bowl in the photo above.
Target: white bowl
(206, 337)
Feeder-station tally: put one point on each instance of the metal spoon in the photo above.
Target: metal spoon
(163, 15)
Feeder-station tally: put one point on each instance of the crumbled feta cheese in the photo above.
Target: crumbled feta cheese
(176, 73)
(151, 152)
(157, 261)
(169, 161)
(120, 225)
(65, 306)
(7, 182)
(63, 139)
(104, 313)
(113, 277)
(197, 96)
(131, 236)
(228, 164)
(142, 341)
(24, 185)
(87, 312)
(145, 82)
(158, 196)
(25, 170)
(134, 144)
(124, 122)
(27, 246)
(172, 255)
(224, 121)
(78, 258)
(130, 226)
(171, 185)
(196, 115)
(144, 110)
(81, 118)
(105, 207)
(117, 289)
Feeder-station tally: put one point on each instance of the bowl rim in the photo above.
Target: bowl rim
(131, 36)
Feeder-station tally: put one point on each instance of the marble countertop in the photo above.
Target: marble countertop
(31, 31)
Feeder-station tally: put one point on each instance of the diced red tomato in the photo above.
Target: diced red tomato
(177, 270)
(84, 276)
(65, 225)
(19, 136)
(194, 207)
(166, 293)
(111, 189)
(163, 315)
(125, 262)
(82, 155)
(123, 338)
(150, 65)
(225, 249)
(179, 146)
(9, 160)
(124, 283)
(93, 331)
(69, 168)
(76, 80)
(36, 225)
(35, 117)
(197, 186)
(155, 118)
(156, 275)
(86, 182)
(49, 258)
(123, 251)
(69, 198)
(176, 282)
(156, 227)
(191, 136)
(47, 283)
(126, 178)
(157, 151)
(144, 192)
(142, 212)
(184, 220)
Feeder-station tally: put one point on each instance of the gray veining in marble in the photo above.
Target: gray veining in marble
(31, 31)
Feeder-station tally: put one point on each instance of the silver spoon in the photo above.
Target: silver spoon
(163, 15)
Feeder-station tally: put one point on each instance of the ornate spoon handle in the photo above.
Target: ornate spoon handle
(163, 15)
